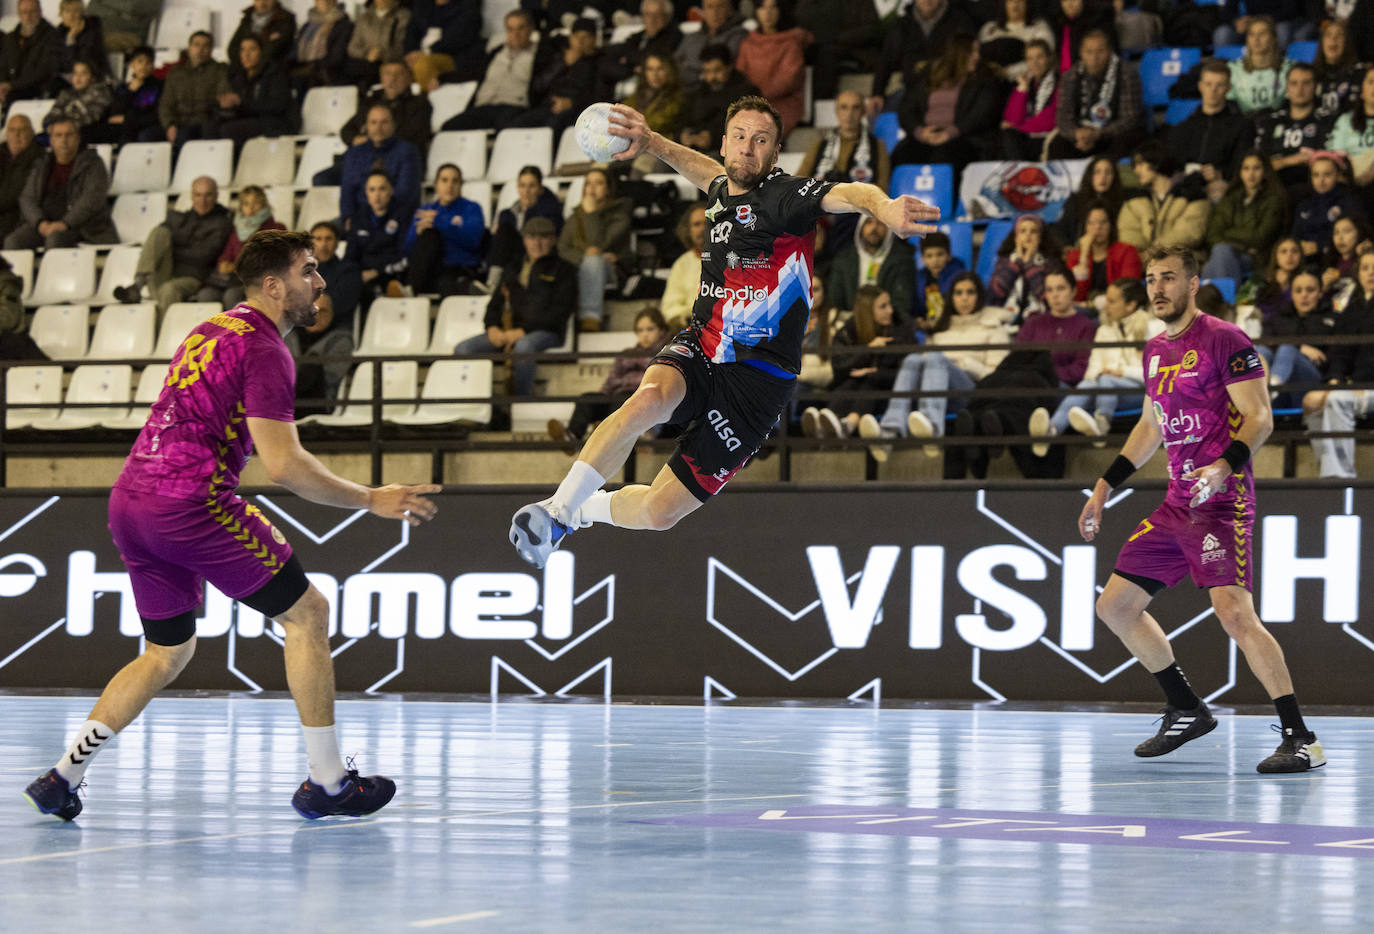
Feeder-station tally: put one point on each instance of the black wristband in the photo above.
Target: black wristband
(1119, 472)
(1237, 454)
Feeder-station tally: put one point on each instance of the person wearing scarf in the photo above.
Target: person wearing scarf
(1029, 117)
(254, 214)
(848, 153)
(321, 47)
(1100, 108)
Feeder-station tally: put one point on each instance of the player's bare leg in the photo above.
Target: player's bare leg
(309, 668)
(138, 682)
(658, 506)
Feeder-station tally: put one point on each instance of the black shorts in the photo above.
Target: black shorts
(729, 410)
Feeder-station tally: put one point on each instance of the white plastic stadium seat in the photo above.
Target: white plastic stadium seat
(319, 204)
(480, 192)
(282, 199)
(533, 417)
(35, 110)
(573, 196)
(325, 110)
(266, 161)
(212, 157)
(136, 213)
(94, 382)
(453, 379)
(27, 386)
(605, 342)
(568, 150)
(21, 261)
(142, 167)
(318, 154)
(61, 331)
(180, 319)
(400, 379)
(65, 275)
(150, 383)
(123, 332)
(459, 317)
(824, 115)
(395, 326)
(449, 100)
(789, 162)
(466, 149)
(120, 264)
(175, 25)
(516, 147)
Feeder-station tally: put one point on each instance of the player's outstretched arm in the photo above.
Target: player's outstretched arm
(1251, 399)
(905, 215)
(628, 123)
(1140, 446)
(292, 466)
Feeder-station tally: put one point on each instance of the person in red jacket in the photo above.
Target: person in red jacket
(1099, 258)
(772, 57)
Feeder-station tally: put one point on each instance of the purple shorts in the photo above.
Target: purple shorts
(173, 546)
(1212, 544)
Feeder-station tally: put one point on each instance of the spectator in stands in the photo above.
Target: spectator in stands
(917, 37)
(1100, 108)
(1353, 132)
(385, 151)
(1017, 282)
(256, 101)
(1125, 317)
(81, 38)
(378, 36)
(1258, 76)
(658, 96)
(874, 257)
(504, 93)
(1305, 315)
(1336, 408)
(595, 240)
(179, 254)
(191, 90)
(684, 277)
(321, 47)
(85, 103)
(1099, 258)
(529, 311)
(1246, 221)
(1063, 322)
(532, 200)
(1004, 41)
(720, 26)
(410, 112)
(567, 82)
(952, 110)
(1329, 200)
(849, 37)
(1169, 211)
(1214, 136)
(1270, 290)
(64, 201)
(321, 349)
(872, 326)
(936, 273)
(253, 214)
(125, 22)
(444, 37)
(134, 105)
(773, 59)
(660, 36)
(376, 239)
(1349, 241)
(446, 239)
(651, 334)
(847, 153)
(1033, 105)
(271, 24)
(1100, 184)
(1288, 16)
(17, 158)
(28, 55)
(1335, 69)
(1291, 132)
(15, 342)
(703, 123)
(1072, 20)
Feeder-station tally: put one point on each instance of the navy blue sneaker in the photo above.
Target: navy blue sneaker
(360, 796)
(49, 793)
(536, 534)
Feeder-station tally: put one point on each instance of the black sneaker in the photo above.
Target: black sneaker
(1179, 727)
(1295, 754)
(129, 294)
(49, 793)
(359, 797)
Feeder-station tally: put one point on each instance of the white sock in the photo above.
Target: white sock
(92, 735)
(581, 482)
(597, 508)
(322, 754)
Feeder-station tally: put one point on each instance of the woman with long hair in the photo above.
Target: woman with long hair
(1270, 289)
(1353, 131)
(1246, 221)
(1100, 258)
(1100, 184)
(952, 107)
(594, 240)
(872, 326)
(1303, 316)
(1005, 38)
(1349, 240)
(1028, 119)
(1258, 77)
(773, 58)
(1336, 69)
(1017, 282)
(658, 95)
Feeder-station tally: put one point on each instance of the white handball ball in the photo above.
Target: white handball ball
(594, 134)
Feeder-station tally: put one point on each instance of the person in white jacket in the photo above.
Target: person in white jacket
(684, 278)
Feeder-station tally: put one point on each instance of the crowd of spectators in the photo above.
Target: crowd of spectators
(1270, 179)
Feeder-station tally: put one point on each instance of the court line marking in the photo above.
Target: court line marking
(454, 919)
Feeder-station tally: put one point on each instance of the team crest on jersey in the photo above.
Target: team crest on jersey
(745, 216)
(1190, 360)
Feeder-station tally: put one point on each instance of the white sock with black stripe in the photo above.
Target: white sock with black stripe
(73, 764)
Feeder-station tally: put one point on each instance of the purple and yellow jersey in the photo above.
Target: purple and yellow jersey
(1185, 382)
(194, 444)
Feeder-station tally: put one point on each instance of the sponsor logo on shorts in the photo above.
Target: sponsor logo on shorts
(277, 537)
(1212, 550)
(723, 431)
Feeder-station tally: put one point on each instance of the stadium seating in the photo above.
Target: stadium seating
(960, 235)
(1180, 110)
(395, 326)
(325, 110)
(136, 213)
(449, 100)
(27, 387)
(993, 235)
(21, 262)
(61, 331)
(319, 204)
(319, 154)
(516, 147)
(1302, 51)
(64, 275)
(466, 149)
(1227, 288)
(266, 161)
(1160, 68)
(177, 22)
(933, 184)
(212, 157)
(123, 332)
(142, 167)
(459, 317)
(452, 379)
(180, 319)
(92, 383)
(120, 264)
(887, 128)
(1229, 53)
(399, 380)
(150, 383)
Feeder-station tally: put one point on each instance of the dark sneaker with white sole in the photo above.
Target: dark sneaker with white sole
(1295, 754)
(49, 793)
(360, 796)
(1177, 727)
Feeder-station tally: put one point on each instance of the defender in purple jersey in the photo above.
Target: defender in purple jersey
(1207, 402)
(178, 522)
(728, 376)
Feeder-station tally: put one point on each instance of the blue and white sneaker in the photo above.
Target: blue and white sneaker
(49, 793)
(360, 796)
(536, 534)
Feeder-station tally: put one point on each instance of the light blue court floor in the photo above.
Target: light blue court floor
(533, 817)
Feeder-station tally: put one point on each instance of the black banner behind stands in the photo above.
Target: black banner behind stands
(907, 593)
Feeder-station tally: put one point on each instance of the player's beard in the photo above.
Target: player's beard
(306, 313)
(736, 172)
(1176, 309)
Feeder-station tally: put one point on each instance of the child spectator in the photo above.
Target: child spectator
(133, 107)
(1329, 200)
(938, 268)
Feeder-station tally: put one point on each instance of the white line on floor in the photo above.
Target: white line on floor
(454, 919)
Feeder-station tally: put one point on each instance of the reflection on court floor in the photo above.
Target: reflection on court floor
(531, 817)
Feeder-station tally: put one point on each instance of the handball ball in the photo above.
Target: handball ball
(594, 137)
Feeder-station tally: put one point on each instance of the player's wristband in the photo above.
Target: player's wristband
(1237, 454)
(1119, 472)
